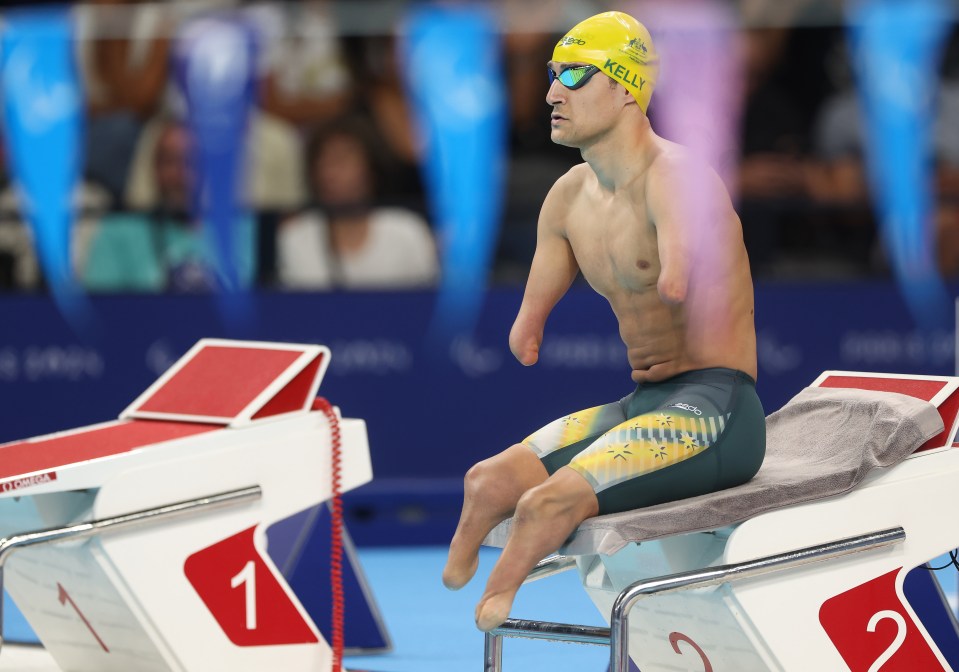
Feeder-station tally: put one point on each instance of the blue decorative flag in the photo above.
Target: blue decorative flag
(43, 124)
(897, 47)
(455, 78)
(215, 63)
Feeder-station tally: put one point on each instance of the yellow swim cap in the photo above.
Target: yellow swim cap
(617, 44)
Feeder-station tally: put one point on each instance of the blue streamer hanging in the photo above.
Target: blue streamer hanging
(43, 125)
(454, 75)
(897, 47)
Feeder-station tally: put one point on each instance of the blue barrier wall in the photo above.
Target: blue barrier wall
(432, 411)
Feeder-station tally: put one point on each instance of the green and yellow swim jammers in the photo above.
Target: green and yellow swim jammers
(695, 433)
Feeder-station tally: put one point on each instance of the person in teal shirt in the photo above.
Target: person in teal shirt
(167, 249)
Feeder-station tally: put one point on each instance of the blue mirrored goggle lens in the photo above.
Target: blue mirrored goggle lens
(573, 78)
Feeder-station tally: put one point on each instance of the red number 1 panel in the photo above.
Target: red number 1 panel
(244, 595)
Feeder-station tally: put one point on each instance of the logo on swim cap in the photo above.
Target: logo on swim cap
(637, 43)
(566, 41)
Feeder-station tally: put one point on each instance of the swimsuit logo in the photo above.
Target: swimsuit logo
(624, 74)
(687, 407)
(566, 41)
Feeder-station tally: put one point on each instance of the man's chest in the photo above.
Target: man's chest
(614, 247)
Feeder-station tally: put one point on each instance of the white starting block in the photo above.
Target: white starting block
(819, 563)
(195, 472)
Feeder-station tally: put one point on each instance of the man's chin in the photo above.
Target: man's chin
(560, 138)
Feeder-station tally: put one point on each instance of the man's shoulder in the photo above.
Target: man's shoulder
(673, 157)
(576, 175)
(563, 196)
(572, 180)
(676, 163)
(679, 174)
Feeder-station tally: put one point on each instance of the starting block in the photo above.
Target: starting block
(819, 563)
(215, 476)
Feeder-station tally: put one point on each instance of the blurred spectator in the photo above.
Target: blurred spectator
(272, 174)
(841, 177)
(526, 47)
(347, 240)
(773, 142)
(122, 51)
(772, 177)
(793, 226)
(167, 249)
(274, 179)
(304, 78)
(19, 265)
(535, 161)
(375, 60)
(947, 238)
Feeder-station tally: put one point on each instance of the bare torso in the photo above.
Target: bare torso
(615, 244)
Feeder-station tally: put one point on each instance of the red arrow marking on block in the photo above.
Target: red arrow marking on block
(64, 598)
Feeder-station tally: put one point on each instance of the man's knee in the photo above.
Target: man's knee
(479, 477)
(557, 499)
(535, 504)
(516, 466)
(484, 476)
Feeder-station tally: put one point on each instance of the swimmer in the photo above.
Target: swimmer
(676, 277)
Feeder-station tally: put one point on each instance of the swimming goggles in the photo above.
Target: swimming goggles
(573, 78)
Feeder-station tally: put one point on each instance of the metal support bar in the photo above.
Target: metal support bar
(554, 632)
(9, 545)
(619, 624)
(617, 635)
(493, 643)
(554, 564)
(492, 652)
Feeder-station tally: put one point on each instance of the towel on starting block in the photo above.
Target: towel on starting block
(820, 444)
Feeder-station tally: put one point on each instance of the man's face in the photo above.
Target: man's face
(579, 113)
(341, 172)
(174, 168)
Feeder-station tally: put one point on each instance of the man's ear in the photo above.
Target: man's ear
(622, 92)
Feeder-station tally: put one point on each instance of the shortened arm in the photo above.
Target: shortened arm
(552, 272)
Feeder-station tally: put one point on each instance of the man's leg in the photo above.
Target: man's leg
(492, 489)
(545, 517)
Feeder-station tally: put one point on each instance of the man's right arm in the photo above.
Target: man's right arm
(552, 272)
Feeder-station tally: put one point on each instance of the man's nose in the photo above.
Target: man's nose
(555, 94)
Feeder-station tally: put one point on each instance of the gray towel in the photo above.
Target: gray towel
(822, 443)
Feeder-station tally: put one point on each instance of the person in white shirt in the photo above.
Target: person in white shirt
(304, 75)
(346, 240)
